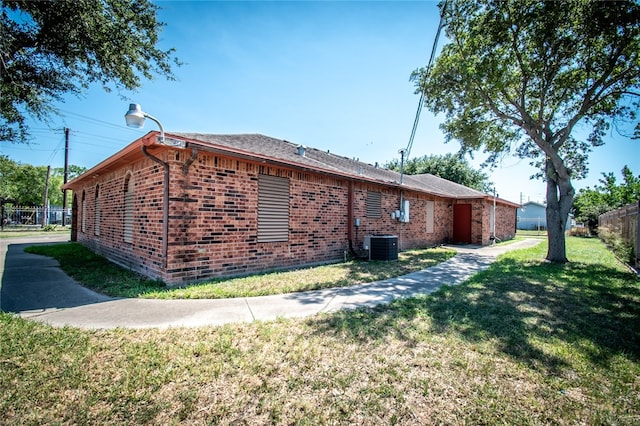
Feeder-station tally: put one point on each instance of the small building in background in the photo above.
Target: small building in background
(532, 216)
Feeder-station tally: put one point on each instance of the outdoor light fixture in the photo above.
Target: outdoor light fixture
(135, 118)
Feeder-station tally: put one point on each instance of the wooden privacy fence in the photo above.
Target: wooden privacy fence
(624, 223)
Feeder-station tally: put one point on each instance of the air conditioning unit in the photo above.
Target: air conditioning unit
(383, 247)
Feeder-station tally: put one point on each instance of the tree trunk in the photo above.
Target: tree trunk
(560, 194)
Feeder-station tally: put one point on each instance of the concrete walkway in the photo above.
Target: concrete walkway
(34, 287)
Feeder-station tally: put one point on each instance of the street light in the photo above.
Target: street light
(135, 118)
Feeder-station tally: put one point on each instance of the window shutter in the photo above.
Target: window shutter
(374, 204)
(430, 216)
(97, 213)
(127, 232)
(83, 213)
(273, 209)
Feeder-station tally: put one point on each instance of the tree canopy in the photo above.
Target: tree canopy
(24, 184)
(52, 48)
(590, 203)
(449, 166)
(520, 76)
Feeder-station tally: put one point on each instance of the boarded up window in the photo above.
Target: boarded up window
(127, 231)
(374, 204)
(273, 209)
(97, 213)
(430, 216)
(83, 213)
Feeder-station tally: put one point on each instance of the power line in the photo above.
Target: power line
(441, 24)
(102, 122)
(55, 151)
(107, 138)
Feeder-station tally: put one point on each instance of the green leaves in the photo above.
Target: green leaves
(50, 48)
(517, 70)
(518, 75)
(451, 167)
(24, 183)
(609, 195)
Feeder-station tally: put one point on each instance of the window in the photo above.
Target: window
(96, 205)
(374, 204)
(83, 213)
(127, 231)
(273, 209)
(430, 216)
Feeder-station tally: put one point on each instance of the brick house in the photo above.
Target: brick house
(204, 206)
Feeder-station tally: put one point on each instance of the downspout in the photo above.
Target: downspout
(401, 209)
(400, 221)
(350, 219)
(165, 206)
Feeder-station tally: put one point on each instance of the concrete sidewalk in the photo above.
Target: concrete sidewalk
(34, 287)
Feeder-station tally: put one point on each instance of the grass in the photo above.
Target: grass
(531, 234)
(524, 342)
(12, 232)
(96, 272)
(99, 274)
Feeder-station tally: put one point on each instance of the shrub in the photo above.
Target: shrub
(579, 231)
(621, 248)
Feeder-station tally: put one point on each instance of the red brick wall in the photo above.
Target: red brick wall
(412, 234)
(505, 222)
(144, 254)
(479, 223)
(212, 227)
(214, 220)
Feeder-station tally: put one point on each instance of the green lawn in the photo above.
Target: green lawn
(525, 342)
(97, 273)
(531, 234)
(30, 232)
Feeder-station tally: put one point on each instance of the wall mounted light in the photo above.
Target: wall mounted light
(135, 118)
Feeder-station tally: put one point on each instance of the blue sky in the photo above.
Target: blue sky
(327, 74)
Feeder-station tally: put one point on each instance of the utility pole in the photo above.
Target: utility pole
(66, 175)
(45, 202)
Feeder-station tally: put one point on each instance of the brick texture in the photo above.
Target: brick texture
(212, 218)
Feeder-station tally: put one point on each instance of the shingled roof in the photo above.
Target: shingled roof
(265, 148)
(290, 153)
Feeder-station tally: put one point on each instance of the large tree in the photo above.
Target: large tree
(449, 166)
(520, 76)
(51, 48)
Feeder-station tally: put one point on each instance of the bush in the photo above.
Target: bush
(579, 231)
(621, 248)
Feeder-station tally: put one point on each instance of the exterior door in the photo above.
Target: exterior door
(462, 223)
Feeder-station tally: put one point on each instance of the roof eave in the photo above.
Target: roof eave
(110, 163)
(135, 149)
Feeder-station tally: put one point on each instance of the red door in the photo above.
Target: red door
(462, 223)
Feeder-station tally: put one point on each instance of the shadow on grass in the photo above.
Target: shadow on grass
(336, 276)
(593, 308)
